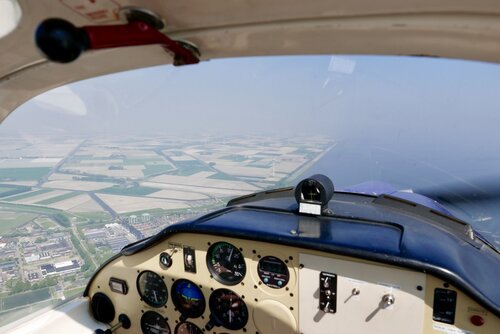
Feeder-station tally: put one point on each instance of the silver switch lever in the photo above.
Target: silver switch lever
(388, 300)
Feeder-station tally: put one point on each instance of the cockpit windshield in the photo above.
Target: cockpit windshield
(89, 167)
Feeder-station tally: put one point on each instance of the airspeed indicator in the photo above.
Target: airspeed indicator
(226, 263)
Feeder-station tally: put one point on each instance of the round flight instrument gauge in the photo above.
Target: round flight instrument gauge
(152, 288)
(187, 328)
(273, 272)
(226, 263)
(188, 298)
(228, 309)
(154, 323)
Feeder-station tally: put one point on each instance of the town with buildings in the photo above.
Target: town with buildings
(68, 204)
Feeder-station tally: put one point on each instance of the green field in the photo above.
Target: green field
(141, 161)
(30, 209)
(260, 163)
(23, 174)
(58, 198)
(99, 215)
(74, 292)
(235, 157)
(27, 195)
(152, 212)
(8, 316)
(223, 176)
(129, 191)
(46, 223)
(186, 168)
(9, 220)
(10, 189)
(26, 298)
(156, 169)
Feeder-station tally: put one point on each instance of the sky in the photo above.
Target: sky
(334, 96)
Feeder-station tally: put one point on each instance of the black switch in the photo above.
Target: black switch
(328, 292)
(445, 304)
(189, 259)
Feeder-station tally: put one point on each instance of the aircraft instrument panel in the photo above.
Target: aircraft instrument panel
(199, 283)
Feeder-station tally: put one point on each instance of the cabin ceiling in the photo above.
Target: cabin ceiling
(239, 28)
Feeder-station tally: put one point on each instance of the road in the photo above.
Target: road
(83, 244)
(55, 169)
(103, 205)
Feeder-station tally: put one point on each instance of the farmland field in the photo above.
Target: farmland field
(130, 191)
(23, 174)
(58, 198)
(27, 298)
(46, 223)
(9, 220)
(156, 169)
(141, 161)
(186, 168)
(9, 190)
(27, 195)
(94, 215)
(73, 292)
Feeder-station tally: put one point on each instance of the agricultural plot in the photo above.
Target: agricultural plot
(156, 169)
(89, 208)
(213, 192)
(10, 190)
(26, 195)
(190, 167)
(204, 182)
(22, 299)
(42, 197)
(179, 195)
(77, 185)
(23, 174)
(115, 171)
(9, 220)
(123, 204)
(57, 198)
(141, 161)
(46, 223)
(73, 292)
(129, 191)
(70, 203)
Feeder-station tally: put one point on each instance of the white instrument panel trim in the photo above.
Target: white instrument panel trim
(361, 313)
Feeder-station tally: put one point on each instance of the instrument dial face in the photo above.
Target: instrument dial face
(187, 328)
(228, 309)
(273, 272)
(188, 298)
(226, 263)
(152, 289)
(154, 323)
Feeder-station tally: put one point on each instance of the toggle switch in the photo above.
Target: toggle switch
(388, 300)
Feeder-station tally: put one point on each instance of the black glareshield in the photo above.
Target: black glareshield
(60, 40)
(317, 190)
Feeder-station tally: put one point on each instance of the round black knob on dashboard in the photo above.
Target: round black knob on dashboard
(124, 320)
(102, 308)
